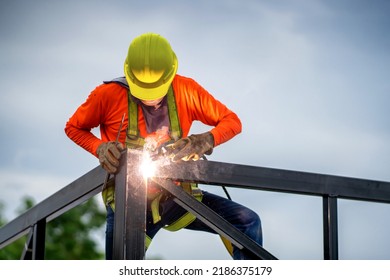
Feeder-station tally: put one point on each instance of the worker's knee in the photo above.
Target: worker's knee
(249, 218)
(250, 224)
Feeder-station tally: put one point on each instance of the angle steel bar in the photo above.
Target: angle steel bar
(330, 228)
(215, 221)
(271, 179)
(130, 210)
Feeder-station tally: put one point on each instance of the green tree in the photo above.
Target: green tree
(69, 236)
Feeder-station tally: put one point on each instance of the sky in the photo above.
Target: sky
(308, 79)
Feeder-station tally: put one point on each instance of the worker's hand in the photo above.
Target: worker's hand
(192, 147)
(109, 154)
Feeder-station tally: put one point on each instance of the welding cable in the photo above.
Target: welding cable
(223, 186)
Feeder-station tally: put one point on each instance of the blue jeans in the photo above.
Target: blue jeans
(239, 216)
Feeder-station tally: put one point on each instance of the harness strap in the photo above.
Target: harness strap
(155, 207)
(108, 194)
(188, 217)
(175, 129)
(133, 138)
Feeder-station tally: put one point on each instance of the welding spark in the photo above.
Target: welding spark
(147, 167)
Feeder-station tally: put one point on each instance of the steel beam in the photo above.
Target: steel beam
(130, 209)
(39, 240)
(330, 227)
(279, 180)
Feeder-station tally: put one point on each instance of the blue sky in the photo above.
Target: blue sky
(309, 80)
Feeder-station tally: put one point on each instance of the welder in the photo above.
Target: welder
(155, 100)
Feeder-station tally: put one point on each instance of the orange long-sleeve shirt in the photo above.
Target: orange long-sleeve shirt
(107, 103)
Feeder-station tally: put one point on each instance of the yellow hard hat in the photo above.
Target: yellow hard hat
(150, 66)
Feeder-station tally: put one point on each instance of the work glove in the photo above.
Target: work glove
(192, 147)
(109, 154)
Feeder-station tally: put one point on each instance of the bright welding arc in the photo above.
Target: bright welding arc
(148, 166)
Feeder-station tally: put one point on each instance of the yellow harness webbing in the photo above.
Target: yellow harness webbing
(188, 217)
(133, 139)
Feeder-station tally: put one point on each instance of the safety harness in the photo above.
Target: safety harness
(135, 141)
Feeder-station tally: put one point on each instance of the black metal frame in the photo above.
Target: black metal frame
(33, 222)
(129, 224)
